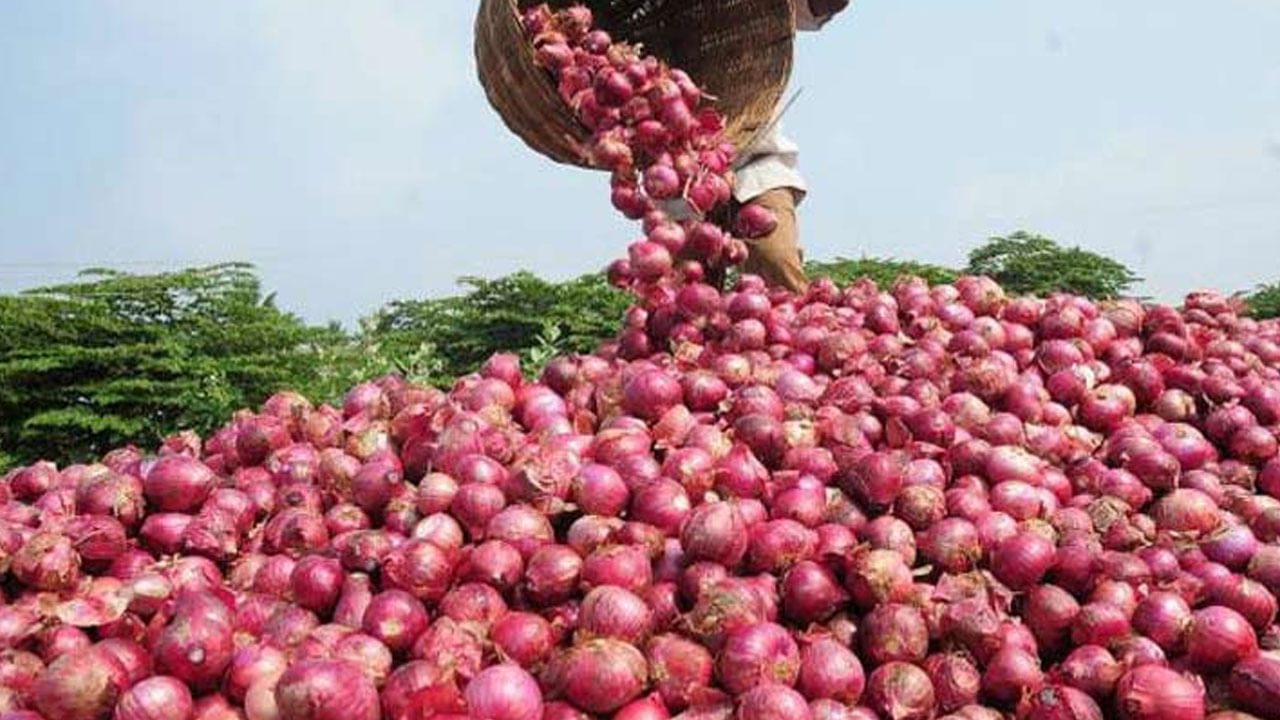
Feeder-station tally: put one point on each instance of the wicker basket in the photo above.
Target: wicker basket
(738, 50)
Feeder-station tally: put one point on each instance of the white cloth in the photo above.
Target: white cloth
(772, 161)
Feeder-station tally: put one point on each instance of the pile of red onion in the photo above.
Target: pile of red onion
(904, 503)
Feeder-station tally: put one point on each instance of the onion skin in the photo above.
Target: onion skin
(1255, 685)
(81, 685)
(829, 670)
(757, 654)
(771, 701)
(901, 691)
(1060, 702)
(156, 698)
(600, 676)
(679, 669)
(1151, 692)
(197, 646)
(1219, 637)
(504, 692)
(326, 690)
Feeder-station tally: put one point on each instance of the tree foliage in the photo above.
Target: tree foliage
(518, 313)
(115, 358)
(1033, 265)
(1264, 301)
(883, 270)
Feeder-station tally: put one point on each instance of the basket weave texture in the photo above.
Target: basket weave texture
(739, 51)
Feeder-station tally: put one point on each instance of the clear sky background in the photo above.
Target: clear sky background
(346, 148)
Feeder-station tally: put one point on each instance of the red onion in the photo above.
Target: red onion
(419, 568)
(876, 577)
(1151, 692)
(1022, 561)
(1218, 637)
(599, 490)
(772, 701)
(1011, 673)
(1255, 684)
(316, 583)
(131, 656)
(396, 618)
(1091, 669)
(715, 532)
(81, 685)
(830, 670)
(1058, 702)
(473, 602)
(177, 483)
(679, 668)
(613, 612)
(627, 566)
(894, 632)
(601, 676)
(810, 593)
(504, 692)
(326, 690)
(47, 562)
(250, 664)
(494, 562)
(901, 691)
(523, 638)
(955, 680)
(1164, 617)
(423, 688)
(196, 646)
(1187, 511)
(552, 573)
(58, 641)
(755, 654)
(156, 698)
(646, 708)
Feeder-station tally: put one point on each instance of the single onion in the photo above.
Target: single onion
(326, 690)
(1151, 692)
(523, 638)
(504, 692)
(156, 698)
(830, 670)
(1059, 702)
(1011, 673)
(601, 676)
(772, 701)
(755, 654)
(1218, 637)
(1255, 685)
(679, 668)
(81, 685)
(901, 691)
(613, 612)
(396, 618)
(956, 681)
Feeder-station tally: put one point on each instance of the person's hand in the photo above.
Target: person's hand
(826, 8)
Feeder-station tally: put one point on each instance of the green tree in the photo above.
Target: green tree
(114, 358)
(1264, 302)
(883, 270)
(519, 313)
(1029, 264)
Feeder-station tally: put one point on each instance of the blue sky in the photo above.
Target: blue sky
(346, 148)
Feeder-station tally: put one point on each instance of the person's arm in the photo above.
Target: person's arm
(811, 15)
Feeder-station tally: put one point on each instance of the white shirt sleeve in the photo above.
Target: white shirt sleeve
(771, 162)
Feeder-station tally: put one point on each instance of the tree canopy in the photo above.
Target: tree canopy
(1030, 264)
